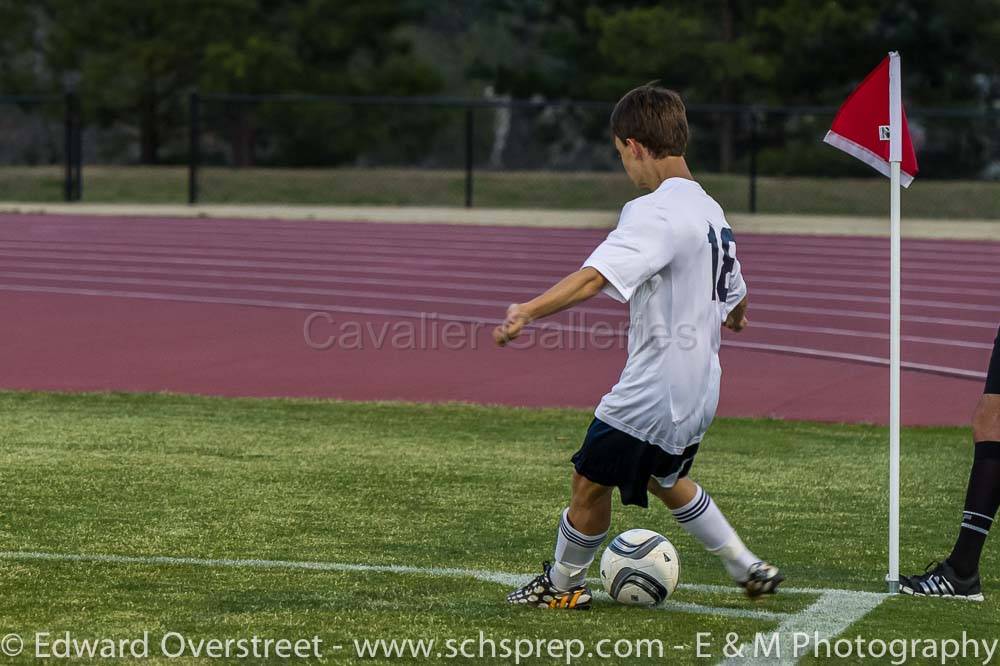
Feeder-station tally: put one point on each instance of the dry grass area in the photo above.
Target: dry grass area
(509, 189)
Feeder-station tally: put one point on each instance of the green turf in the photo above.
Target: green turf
(419, 187)
(424, 486)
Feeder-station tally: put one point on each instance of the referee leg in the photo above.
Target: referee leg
(986, 420)
(982, 499)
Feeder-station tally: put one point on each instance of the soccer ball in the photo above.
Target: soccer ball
(640, 568)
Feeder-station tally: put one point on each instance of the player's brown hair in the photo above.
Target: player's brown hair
(655, 117)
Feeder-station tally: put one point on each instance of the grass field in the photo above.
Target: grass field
(426, 487)
(414, 187)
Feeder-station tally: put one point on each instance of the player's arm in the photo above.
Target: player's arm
(572, 289)
(736, 300)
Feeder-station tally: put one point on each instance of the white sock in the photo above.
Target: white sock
(575, 553)
(703, 520)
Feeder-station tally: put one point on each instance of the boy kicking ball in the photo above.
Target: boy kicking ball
(672, 258)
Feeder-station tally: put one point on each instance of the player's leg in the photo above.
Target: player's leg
(696, 512)
(582, 526)
(958, 576)
(582, 529)
(982, 496)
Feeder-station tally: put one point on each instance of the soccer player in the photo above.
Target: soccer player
(958, 576)
(672, 258)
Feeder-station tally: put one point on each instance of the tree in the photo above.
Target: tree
(706, 50)
(22, 58)
(135, 58)
(139, 58)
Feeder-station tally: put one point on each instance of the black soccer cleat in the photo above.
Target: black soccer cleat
(762, 578)
(940, 580)
(540, 593)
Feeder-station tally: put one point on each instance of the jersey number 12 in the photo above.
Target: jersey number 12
(721, 269)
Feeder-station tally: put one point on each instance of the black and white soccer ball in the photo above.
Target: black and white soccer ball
(640, 568)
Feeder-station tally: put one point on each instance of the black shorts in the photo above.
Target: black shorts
(611, 457)
(993, 374)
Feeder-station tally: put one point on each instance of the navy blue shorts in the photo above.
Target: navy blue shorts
(610, 457)
(993, 374)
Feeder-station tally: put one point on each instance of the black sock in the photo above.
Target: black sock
(981, 502)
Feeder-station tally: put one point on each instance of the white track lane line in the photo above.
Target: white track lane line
(75, 280)
(506, 579)
(70, 258)
(542, 282)
(828, 296)
(166, 238)
(441, 232)
(328, 276)
(859, 358)
(535, 278)
(881, 316)
(409, 257)
(788, 294)
(487, 321)
(393, 268)
(280, 289)
(390, 252)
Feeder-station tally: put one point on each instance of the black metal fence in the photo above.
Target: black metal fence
(40, 139)
(446, 151)
(487, 138)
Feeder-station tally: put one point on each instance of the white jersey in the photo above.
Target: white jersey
(672, 257)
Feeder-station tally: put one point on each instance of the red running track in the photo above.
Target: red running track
(404, 312)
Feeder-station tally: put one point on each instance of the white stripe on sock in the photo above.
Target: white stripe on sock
(975, 529)
(574, 554)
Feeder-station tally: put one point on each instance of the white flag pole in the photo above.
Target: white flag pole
(895, 157)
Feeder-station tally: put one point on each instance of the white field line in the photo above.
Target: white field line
(502, 578)
(486, 321)
(832, 614)
(75, 280)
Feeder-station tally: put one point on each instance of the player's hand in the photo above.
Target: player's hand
(737, 319)
(517, 319)
(736, 324)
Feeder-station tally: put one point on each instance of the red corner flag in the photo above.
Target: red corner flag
(864, 125)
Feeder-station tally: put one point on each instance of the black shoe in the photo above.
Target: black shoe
(541, 594)
(762, 578)
(940, 580)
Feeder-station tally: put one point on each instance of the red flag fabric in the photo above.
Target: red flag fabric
(861, 126)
